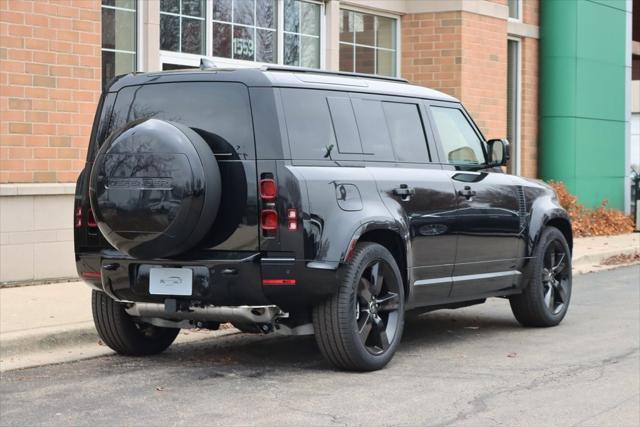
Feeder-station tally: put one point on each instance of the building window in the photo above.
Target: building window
(267, 31)
(513, 104)
(182, 26)
(118, 38)
(301, 33)
(367, 43)
(514, 9)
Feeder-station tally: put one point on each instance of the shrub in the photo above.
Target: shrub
(602, 221)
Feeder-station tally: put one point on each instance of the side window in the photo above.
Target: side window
(460, 142)
(373, 130)
(406, 132)
(320, 125)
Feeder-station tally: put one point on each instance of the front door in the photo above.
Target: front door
(487, 219)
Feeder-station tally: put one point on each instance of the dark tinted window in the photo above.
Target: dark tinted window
(372, 126)
(312, 135)
(344, 125)
(219, 112)
(406, 132)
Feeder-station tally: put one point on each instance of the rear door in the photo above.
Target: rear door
(397, 150)
(487, 215)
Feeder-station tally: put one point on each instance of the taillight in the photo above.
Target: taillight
(269, 221)
(268, 190)
(77, 222)
(91, 221)
(292, 219)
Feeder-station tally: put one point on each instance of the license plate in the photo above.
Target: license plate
(170, 281)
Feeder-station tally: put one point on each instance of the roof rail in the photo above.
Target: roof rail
(334, 73)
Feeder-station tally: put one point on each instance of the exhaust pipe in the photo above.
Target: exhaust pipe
(221, 314)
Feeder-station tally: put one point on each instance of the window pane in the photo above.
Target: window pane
(266, 46)
(291, 49)
(310, 52)
(308, 123)
(243, 11)
(221, 40)
(385, 62)
(386, 32)
(193, 8)
(405, 129)
(346, 57)
(365, 60)
(266, 13)
(169, 32)
(310, 22)
(243, 43)
(222, 10)
(513, 9)
(372, 126)
(118, 29)
(192, 36)
(126, 4)
(365, 29)
(116, 63)
(172, 6)
(292, 16)
(344, 125)
(459, 141)
(346, 26)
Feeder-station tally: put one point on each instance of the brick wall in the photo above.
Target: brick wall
(49, 87)
(529, 103)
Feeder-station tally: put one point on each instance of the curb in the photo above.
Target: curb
(47, 339)
(591, 260)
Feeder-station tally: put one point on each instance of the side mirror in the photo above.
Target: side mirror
(498, 152)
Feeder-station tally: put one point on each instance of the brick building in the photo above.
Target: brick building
(57, 54)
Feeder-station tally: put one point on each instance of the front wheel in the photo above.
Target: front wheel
(123, 334)
(359, 328)
(545, 300)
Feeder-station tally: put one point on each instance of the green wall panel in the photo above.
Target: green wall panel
(582, 97)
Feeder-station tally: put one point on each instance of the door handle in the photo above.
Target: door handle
(467, 193)
(404, 191)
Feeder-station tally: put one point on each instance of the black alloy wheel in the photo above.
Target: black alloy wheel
(545, 299)
(360, 327)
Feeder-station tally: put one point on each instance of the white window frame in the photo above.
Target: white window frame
(516, 145)
(518, 11)
(398, 35)
(193, 60)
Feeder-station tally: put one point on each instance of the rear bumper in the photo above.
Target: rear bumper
(222, 279)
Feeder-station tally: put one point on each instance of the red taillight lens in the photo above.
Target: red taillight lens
(268, 189)
(269, 220)
(91, 221)
(77, 222)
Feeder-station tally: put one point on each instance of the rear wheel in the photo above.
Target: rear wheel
(123, 334)
(360, 327)
(545, 300)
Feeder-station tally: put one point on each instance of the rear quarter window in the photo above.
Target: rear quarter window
(219, 112)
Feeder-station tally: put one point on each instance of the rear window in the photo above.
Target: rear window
(219, 112)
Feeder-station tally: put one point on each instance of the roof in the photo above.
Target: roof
(278, 76)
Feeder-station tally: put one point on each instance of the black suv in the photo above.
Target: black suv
(304, 202)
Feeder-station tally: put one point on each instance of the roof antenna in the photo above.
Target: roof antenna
(207, 64)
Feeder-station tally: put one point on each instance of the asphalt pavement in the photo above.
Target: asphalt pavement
(472, 366)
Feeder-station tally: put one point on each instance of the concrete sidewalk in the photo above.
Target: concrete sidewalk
(37, 321)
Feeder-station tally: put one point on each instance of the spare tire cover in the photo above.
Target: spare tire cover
(155, 188)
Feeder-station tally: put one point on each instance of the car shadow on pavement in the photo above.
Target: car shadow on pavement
(257, 355)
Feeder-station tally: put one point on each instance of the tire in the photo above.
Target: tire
(340, 321)
(545, 300)
(122, 334)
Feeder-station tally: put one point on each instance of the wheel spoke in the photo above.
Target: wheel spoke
(559, 266)
(365, 290)
(365, 330)
(389, 302)
(381, 333)
(562, 291)
(548, 297)
(376, 278)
